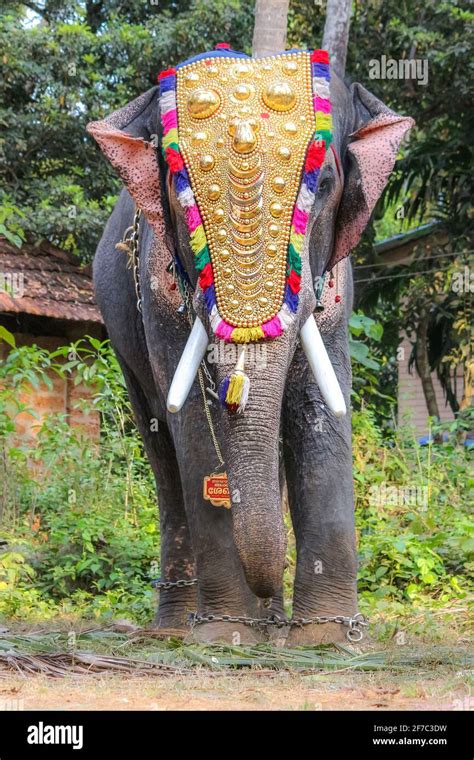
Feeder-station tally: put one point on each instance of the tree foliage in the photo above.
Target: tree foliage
(66, 62)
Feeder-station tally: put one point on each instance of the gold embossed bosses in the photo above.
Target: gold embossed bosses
(244, 127)
(280, 96)
(203, 103)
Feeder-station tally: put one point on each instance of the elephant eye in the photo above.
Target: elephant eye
(324, 185)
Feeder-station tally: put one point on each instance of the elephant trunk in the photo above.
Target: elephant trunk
(251, 452)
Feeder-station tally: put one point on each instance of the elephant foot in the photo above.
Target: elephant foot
(171, 626)
(172, 621)
(277, 636)
(225, 633)
(317, 633)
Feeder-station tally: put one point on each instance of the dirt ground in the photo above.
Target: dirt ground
(445, 690)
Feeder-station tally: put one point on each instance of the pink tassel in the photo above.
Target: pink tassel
(273, 328)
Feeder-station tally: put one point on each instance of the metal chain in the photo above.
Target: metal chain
(132, 246)
(210, 423)
(203, 370)
(196, 619)
(166, 585)
(135, 256)
(354, 623)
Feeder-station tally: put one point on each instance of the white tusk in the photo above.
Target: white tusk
(321, 367)
(188, 366)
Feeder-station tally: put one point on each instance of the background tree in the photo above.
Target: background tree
(336, 32)
(66, 62)
(271, 21)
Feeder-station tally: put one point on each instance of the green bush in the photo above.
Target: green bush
(79, 525)
(416, 536)
(80, 515)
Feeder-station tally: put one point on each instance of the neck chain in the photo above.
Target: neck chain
(130, 244)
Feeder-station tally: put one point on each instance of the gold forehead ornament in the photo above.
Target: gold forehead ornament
(249, 125)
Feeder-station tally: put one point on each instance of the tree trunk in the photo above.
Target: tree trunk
(269, 33)
(423, 365)
(468, 394)
(336, 33)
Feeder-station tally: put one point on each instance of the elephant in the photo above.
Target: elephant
(293, 428)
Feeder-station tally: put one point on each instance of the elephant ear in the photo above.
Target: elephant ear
(124, 137)
(370, 158)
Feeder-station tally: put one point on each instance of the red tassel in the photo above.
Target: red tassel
(320, 56)
(166, 73)
(315, 156)
(222, 46)
(206, 277)
(294, 281)
(174, 160)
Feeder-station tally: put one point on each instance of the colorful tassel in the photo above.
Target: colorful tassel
(234, 390)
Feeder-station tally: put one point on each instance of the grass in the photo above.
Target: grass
(57, 653)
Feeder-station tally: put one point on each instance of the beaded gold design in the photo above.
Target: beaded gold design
(244, 128)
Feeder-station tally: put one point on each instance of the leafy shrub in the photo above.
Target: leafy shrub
(81, 514)
(416, 537)
(79, 526)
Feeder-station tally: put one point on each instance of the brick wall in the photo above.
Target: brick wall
(411, 401)
(62, 397)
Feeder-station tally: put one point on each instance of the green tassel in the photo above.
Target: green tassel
(294, 259)
(202, 258)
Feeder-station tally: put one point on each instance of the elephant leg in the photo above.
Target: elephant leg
(222, 588)
(176, 555)
(318, 462)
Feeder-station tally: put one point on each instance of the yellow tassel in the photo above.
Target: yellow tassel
(247, 334)
(198, 239)
(234, 390)
(170, 137)
(323, 120)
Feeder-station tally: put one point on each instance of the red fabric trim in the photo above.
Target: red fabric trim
(315, 156)
(174, 160)
(294, 281)
(166, 73)
(320, 56)
(206, 277)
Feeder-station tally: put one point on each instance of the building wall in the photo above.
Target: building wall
(411, 400)
(62, 397)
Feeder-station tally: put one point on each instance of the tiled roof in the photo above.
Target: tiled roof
(46, 281)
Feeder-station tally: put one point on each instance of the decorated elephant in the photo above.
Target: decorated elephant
(224, 282)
